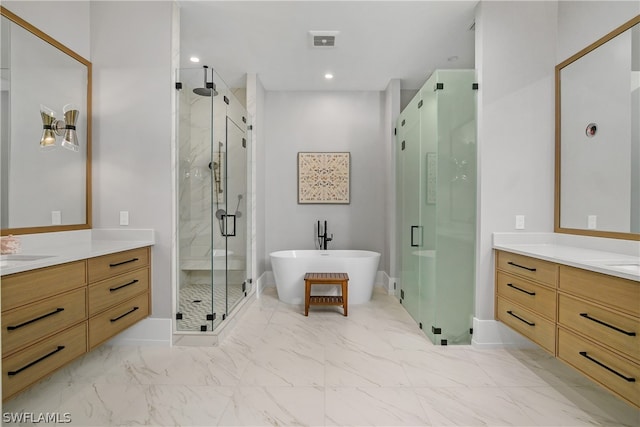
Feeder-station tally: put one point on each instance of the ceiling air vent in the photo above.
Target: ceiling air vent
(323, 38)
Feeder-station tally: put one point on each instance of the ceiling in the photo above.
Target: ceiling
(377, 41)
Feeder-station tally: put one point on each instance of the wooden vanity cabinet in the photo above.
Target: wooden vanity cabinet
(599, 328)
(44, 323)
(594, 318)
(526, 297)
(52, 315)
(118, 293)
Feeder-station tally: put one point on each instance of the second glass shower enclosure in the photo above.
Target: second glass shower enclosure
(213, 219)
(436, 217)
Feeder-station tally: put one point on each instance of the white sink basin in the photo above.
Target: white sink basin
(628, 267)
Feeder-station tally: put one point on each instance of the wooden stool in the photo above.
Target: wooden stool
(325, 279)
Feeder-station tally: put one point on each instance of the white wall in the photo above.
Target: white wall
(325, 121)
(51, 17)
(515, 60)
(256, 108)
(392, 99)
(132, 126)
(581, 23)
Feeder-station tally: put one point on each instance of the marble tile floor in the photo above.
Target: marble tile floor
(280, 368)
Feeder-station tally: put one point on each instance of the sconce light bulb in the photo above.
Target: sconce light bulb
(48, 139)
(70, 140)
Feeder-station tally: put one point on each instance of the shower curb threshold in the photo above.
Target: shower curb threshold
(215, 337)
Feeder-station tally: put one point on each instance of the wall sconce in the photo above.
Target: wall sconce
(66, 128)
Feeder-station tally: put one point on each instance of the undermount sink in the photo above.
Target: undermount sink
(630, 267)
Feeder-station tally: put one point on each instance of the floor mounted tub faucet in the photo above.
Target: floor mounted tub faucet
(323, 237)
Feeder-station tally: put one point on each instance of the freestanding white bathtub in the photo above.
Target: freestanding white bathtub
(289, 268)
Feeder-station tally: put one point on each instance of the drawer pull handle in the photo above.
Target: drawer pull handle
(12, 373)
(593, 319)
(125, 314)
(521, 266)
(14, 327)
(520, 318)
(597, 362)
(133, 282)
(123, 262)
(520, 289)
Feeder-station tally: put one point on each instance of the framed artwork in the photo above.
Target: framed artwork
(323, 177)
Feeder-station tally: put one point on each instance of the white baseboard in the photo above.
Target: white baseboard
(151, 332)
(494, 334)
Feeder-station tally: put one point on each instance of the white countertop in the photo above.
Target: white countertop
(616, 259)
(47, 249)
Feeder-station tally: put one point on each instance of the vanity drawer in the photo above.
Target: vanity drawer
(618, 374)
(532, 268)
(615, 292)
(25, 367)
(24, 288)
(599, 324)
(110, 292)
(30, 323)
(532, 325)
(107, 266)
(530, 295)
(116, 319)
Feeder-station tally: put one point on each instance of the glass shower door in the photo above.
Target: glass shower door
(411, 232)
(236, 189)
(456, 205)
(196, 188)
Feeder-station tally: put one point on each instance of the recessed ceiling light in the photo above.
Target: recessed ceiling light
(194, 59)
(328, 76)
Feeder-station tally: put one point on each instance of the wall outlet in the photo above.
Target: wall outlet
(592, 221)
(519, 222)
(56, 217)
(124, 217)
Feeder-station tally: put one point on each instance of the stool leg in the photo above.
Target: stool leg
(345, 296)
(307, 296)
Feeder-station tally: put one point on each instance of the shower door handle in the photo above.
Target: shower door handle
(413, 229)
(226, 222)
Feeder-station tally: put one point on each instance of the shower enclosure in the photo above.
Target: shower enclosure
(436, 217)
(213, 187)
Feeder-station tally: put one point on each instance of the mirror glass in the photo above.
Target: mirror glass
(42, 190)
(598, 137)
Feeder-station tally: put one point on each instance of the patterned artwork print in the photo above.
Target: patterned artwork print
(323, 177)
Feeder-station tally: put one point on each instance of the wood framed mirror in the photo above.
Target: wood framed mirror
(597, 185)
(42, 190)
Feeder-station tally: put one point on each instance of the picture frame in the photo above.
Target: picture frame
(324, 177)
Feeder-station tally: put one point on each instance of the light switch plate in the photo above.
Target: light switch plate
(124, 217)
(592, 222)
(519, 222)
